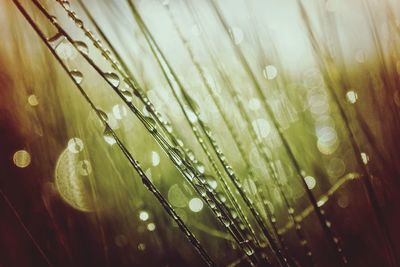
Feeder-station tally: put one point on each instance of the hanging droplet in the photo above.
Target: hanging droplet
(175, 155)
(150, 124)
(108, 136)
(78, 23)
(127, 95)
(65, 4)
(77, 76)
(225, 221)
(82, 46)
(112, 78)
(103, 115)
(192, 103)
(247, 248)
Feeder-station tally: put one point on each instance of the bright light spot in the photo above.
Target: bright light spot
(261, 127)
(119, 111)
(195, 204)
(270, 72)
(310, 181)
(191, 116)
(318, 103)
(22, 158)
(351, 97)
(155, 158)
(254, 104)
(75, 145)
(144, 215)
(33, 101)
(364, 158)
(109, 139)
(327, 140)
(151, 227)
(141, 247)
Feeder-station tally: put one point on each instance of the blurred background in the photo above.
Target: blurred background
(320, 78)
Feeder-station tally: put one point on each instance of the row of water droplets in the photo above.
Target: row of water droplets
(177, 87)
(261, 149)
(176, 154)
(219, 152)
(77, 77)
(324, 222)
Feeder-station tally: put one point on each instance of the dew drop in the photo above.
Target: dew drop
(103, 115)
(150, 124)
(82, 47)
(225, 221)
(108, 136)
(127, 95)
(77, 76)
(112, 78)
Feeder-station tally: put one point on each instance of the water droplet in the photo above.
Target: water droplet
(78, 23)
(247, 248)
(127, 95)
(150, 124)
(112, 78)
(102, 115)
(225, 221)
(192, 103)
(82, 46)
(22, 158)
(108, 136)
(77, 76)
(175, 155)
